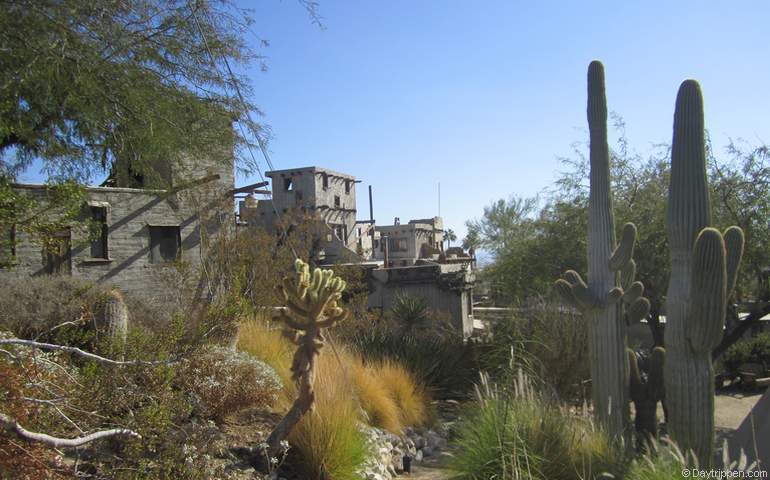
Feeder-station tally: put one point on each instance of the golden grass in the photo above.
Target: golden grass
(411, 399)
(327, 439)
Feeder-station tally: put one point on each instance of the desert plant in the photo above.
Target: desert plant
(646, 391)
(704, 268)
(223, 381)
(520, 433)
(753, 350)
(113, 316)
(410, 311)
(411, 400)
(599, 298)
(311, 306)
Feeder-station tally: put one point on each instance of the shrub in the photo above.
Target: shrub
(327, 440)
(375, 398)
(409, 397)
(752, 350)
(548, 341)
(223, 381)
(31, 306)
(522, 434)
(410, 311)
(440, 361)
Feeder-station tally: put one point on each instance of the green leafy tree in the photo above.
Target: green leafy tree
(450, 236)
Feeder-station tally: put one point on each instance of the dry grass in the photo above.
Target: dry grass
(410, 397)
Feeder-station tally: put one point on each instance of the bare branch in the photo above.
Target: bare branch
(8, 423)
(82, 353)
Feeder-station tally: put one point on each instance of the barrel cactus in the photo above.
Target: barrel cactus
(113, 317)
(704, 268)
(611, 272)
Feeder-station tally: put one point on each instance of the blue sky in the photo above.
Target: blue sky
(484, 96)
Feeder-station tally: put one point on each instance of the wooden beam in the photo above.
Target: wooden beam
(250, 188)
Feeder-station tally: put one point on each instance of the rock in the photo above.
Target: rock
(427, 451)
(418, 456)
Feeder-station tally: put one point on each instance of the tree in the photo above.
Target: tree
(530, 251)
(85, 83)
(450, 236)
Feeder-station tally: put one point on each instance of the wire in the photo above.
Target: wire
(247, 110)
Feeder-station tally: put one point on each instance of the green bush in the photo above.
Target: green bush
(523, 434)
(546, 340)
(752, 350)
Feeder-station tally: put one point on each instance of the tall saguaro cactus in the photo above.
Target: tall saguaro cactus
(601, 299)
(704, 267)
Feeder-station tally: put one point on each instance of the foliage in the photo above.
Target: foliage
(85, 84)
(439, 360)
(31, 307)
(523, 434)
(752, 350)
(545, 340)
(223, 381)
(327, 443)
(410, 311)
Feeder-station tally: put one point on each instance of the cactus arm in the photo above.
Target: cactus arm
(614, 295)
(625, 250)
(705, 325)
(655, 375)
(627, 274)
(734, 242)
(633, 292)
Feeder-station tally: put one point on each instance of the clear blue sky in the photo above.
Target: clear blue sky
(484, 96)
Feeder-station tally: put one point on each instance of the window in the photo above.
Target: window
(58, 253)
(7, 245)
(376, 244)
(288, 184)
(325, 180)
(99, 233)
(337, 201)
(165, 243)
(397, 245)
(347, 187)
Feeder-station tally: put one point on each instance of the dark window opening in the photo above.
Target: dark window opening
(58, 253)
(165, 244)
(337, 201)
(100, 232)
(325, 181)
(397, 245)
(376, 244)
(347, 187)
(8, 246)
(288, 184)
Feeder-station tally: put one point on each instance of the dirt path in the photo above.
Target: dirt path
(732, 407)
(431, 469)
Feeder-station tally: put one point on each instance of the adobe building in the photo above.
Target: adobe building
(147, 229)
(328, 194)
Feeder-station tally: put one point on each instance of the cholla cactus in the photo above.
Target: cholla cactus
(646, 392)
(704, 268)
(601, 299)
(312, 304)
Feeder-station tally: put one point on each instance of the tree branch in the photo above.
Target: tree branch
(8, 423)
(82, 353)
(731, 337)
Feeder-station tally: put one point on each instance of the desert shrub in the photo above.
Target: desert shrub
(411, 400)
(440, 361)
(328, 443)
(31, 306)
(223, 381)
(410, 311)
(752, 350)
(523, 434)
(547, 340)
(375, 398)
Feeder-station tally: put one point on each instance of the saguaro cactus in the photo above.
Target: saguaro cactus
(602, 298)
(311, 306)
(704, 268)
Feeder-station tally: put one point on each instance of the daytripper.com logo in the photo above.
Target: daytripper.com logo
(699, 473)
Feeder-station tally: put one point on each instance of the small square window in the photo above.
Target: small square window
(337, 201)
(165, 244)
